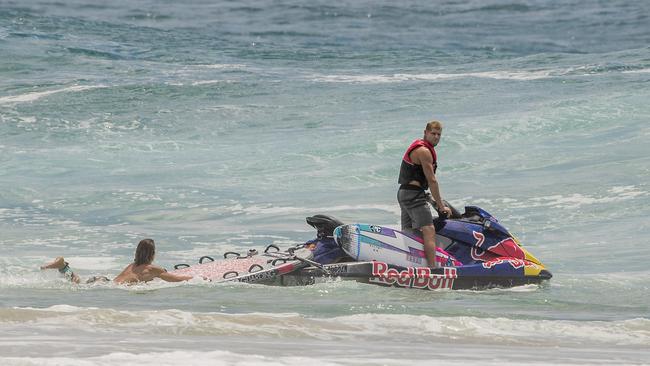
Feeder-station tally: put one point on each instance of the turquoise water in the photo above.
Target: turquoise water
(217, 126)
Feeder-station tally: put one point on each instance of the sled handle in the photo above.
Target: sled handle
(205, 257)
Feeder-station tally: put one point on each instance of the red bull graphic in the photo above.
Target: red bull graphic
(515, 263)
(480, 238)
(507, 247)
(412, 277)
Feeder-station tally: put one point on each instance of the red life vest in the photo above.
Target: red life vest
(410, 171)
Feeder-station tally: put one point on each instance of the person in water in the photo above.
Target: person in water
(418, 173)
(141, 270)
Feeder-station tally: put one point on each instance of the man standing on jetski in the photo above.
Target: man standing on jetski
(417, 173)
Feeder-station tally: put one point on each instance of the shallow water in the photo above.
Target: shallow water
(213, 127)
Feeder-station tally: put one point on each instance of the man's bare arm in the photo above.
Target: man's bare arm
(170, 277)
(425, 159)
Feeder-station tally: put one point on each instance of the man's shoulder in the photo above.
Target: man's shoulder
(155, 268)
(151, 268)
(421, 152)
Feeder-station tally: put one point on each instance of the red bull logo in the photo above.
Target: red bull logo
(507, 247)
(480, 238)
(412, 277)
(515, 263)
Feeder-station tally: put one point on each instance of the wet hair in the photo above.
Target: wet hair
(433, 125)
(145, 252)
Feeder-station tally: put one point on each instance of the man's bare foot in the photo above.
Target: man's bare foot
(57, 263)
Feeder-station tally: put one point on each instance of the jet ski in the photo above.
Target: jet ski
(475, 251)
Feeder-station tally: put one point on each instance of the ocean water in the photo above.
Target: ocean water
(220, 125)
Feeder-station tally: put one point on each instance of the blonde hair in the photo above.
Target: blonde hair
(434, 125)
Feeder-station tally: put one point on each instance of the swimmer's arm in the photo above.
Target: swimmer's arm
(170, 277)
(174, 277)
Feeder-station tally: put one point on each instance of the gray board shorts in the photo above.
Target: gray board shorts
(416, 212)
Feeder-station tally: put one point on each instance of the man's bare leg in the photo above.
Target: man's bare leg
(61, 265)
(429, 236)
(57, 263)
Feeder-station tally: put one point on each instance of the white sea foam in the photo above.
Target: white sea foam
(302, 353)
(30, 97)
(208, 82)
(63, 308)
(277, 339)
(139, 196)
(275, 210)
(397, 78)
(575, 200)
(517, 75)
(27, 119)
(93, 263)
(639, 71)
(614, 194)
(173, 358)
(222, 66)
(632, 332)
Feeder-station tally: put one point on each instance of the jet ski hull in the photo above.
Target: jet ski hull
(471, 277)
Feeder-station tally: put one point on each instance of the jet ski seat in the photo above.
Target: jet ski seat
(324, 225)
